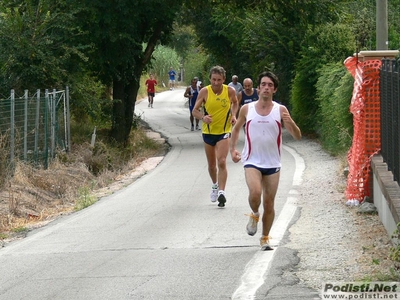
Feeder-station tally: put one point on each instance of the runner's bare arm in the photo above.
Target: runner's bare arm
(186, 94)
(239, 98)
(201, 99)
(235, 155)
(234, 104)
(289, 124)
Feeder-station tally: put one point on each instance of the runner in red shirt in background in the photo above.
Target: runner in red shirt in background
(151, 89)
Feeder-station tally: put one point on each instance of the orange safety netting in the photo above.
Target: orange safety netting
(365, 107)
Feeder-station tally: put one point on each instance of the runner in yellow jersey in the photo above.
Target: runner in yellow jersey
(220, 111)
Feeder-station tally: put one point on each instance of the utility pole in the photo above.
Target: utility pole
(382, 42)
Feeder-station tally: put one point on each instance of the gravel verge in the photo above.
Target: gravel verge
(333, 241)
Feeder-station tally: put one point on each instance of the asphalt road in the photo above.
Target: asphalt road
(161, 237)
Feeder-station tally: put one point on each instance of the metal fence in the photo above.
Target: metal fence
(33, 127)
(390, 115)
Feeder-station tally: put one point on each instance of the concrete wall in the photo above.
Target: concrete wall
(386, 194)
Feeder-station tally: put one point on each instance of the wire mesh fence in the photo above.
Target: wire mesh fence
(34, 127)
(390, 115)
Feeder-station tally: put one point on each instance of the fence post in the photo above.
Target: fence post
(53, 123)
(37, 117)
(12, 130)
(46, 130)
(25, 124)
(68, 121)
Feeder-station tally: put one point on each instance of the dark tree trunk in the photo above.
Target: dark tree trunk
(124, 95)
(125, 91)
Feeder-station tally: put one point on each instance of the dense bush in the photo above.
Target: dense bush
(325, 44)
(333, 96)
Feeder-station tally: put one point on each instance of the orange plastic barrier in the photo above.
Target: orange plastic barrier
(365, 107)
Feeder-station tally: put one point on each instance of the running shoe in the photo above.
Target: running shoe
(264, 243)
(221, 200)
(192, 128)
(197, 127)
(252, 225)
(214, 193)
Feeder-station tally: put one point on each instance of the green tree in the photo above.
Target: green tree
(36, 45)
(360, 17)
(196, 66)
(183, 39)
(118, 31)
(394, 24)
(270, 47)
(247, 37)
(218, 30)
(185, 43)
(212, 37)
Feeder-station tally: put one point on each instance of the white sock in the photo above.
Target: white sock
(221, 192)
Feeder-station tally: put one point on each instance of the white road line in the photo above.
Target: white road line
(253, 276)
(300, 166)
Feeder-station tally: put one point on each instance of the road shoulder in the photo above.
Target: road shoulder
(333, 241)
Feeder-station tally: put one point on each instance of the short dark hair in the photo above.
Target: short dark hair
(218, 70)
(271, 76)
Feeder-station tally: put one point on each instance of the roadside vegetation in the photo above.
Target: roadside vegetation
(33, 196)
